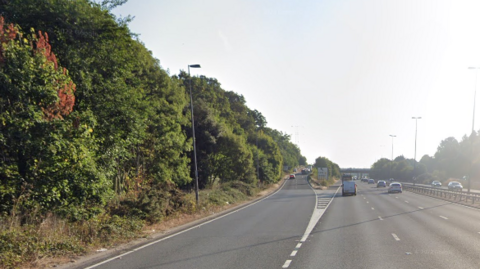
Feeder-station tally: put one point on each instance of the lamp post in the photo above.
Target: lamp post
(193, 131)
(473, 125)
(392, 136)
(415, 153)
(474, 96)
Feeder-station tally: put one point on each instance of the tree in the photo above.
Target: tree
(46, 149)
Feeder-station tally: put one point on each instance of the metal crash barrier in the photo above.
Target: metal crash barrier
(454, 196)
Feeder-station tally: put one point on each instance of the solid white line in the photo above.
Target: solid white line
(380, 218)
(396, 237)
(183, 231)
(420, 207)
(298, 245)
(287, 264)
(293, 253)
(443, 217)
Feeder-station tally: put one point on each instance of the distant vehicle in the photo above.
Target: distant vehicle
(295, 170)
(292, 176)
(349, 188)
(436, 184)
(364, 179)
(395, 187)
(381, 183)
(346, 177)
(455, 186)
(371, 181)
(391, 179)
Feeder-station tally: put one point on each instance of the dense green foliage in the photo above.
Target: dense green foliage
(115, 128)
(333, 168)
(453, 159)
(97, 136)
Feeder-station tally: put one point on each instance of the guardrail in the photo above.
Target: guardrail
(454, 196)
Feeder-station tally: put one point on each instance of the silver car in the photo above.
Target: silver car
(395, 187)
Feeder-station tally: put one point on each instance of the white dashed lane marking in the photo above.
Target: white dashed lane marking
(373, 208)
(396, 237)
(380, 218)
(443, 217)
(406, 202)
(293, 253)
(420, 207)
(287, 264)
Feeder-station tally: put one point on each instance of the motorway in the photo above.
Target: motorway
(371, 230)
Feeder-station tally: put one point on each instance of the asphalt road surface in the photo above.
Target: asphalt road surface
(262, 235)
(380, 230)
(371, 230)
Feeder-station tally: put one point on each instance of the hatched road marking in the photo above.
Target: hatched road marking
(323, 202)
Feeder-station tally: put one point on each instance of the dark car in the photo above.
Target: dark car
(381, 183)
(371, 181)
(455, 186)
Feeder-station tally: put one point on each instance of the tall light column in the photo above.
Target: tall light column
(392, 136)
(193, 131)
(474, 96)
(473, 126)
(415, 153)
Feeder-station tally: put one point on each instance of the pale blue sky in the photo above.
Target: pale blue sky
(348, 72)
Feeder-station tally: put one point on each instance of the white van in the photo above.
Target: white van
(349, 187)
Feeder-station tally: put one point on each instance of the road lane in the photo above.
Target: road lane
(430, 237)
(394, 235)
(260, 236)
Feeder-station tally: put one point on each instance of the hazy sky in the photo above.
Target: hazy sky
(348, 73)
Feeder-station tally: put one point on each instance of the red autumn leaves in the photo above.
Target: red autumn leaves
(65, 87)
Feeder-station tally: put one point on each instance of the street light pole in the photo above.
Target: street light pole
(392, 136)
(415, 153)
(473, 125)
(193, 131)
(474, 96)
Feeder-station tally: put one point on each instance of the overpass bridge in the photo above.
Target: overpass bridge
(358, 172)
